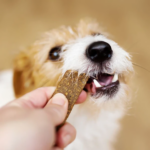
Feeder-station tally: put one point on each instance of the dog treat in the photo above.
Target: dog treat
(71, 85)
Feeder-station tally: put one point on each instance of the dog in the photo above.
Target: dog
(83, 48)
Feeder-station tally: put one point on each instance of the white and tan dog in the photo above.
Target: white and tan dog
(85, 49)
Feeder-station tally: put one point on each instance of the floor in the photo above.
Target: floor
(127, 22)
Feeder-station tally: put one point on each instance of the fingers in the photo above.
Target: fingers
(57, 108)
(35, 99)
(82, 97)
(56, 148)
(65, 135)
(39, 98)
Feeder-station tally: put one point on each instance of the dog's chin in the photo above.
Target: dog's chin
(103, 85)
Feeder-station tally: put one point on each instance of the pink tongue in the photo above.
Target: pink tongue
(105, 79)
(91, 88)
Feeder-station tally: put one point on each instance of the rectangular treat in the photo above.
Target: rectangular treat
(71, 85)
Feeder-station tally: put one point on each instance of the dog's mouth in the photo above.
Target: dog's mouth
(102, 84)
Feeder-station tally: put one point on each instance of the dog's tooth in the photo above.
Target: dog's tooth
(96, 83)
(115, 78)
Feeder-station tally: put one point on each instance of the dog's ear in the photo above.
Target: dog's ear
(22, 77)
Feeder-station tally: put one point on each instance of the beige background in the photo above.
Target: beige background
(128, 21)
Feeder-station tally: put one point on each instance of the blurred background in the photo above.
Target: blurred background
(128, 23)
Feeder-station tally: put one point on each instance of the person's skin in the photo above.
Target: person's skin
(29, 123)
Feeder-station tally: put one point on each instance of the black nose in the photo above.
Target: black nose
(99, 51)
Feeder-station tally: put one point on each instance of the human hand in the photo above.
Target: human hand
(29, 123)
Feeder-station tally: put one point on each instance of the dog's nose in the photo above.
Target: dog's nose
(99, 51)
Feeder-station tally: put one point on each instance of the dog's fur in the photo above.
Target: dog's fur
(97, 119)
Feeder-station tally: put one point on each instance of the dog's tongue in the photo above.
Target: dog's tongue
(91, 87)
(103, 80)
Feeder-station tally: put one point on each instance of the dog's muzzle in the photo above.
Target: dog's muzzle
(101, 83)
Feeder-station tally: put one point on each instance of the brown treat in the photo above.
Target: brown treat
(71, 85)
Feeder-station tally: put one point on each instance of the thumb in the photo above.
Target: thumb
(57, 108)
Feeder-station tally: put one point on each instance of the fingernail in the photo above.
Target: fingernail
(66, 139)
(59, 99)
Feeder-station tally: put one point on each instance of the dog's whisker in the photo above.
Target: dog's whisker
(137, 65)
(134, 53)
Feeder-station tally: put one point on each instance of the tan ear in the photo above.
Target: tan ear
(22, 77)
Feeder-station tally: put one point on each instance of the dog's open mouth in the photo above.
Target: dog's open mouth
(102, 84)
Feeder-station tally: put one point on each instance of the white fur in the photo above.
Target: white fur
(6, 87)
(96, 120)
(96, 128)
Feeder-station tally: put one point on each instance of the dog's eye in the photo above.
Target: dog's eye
(54, 54)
